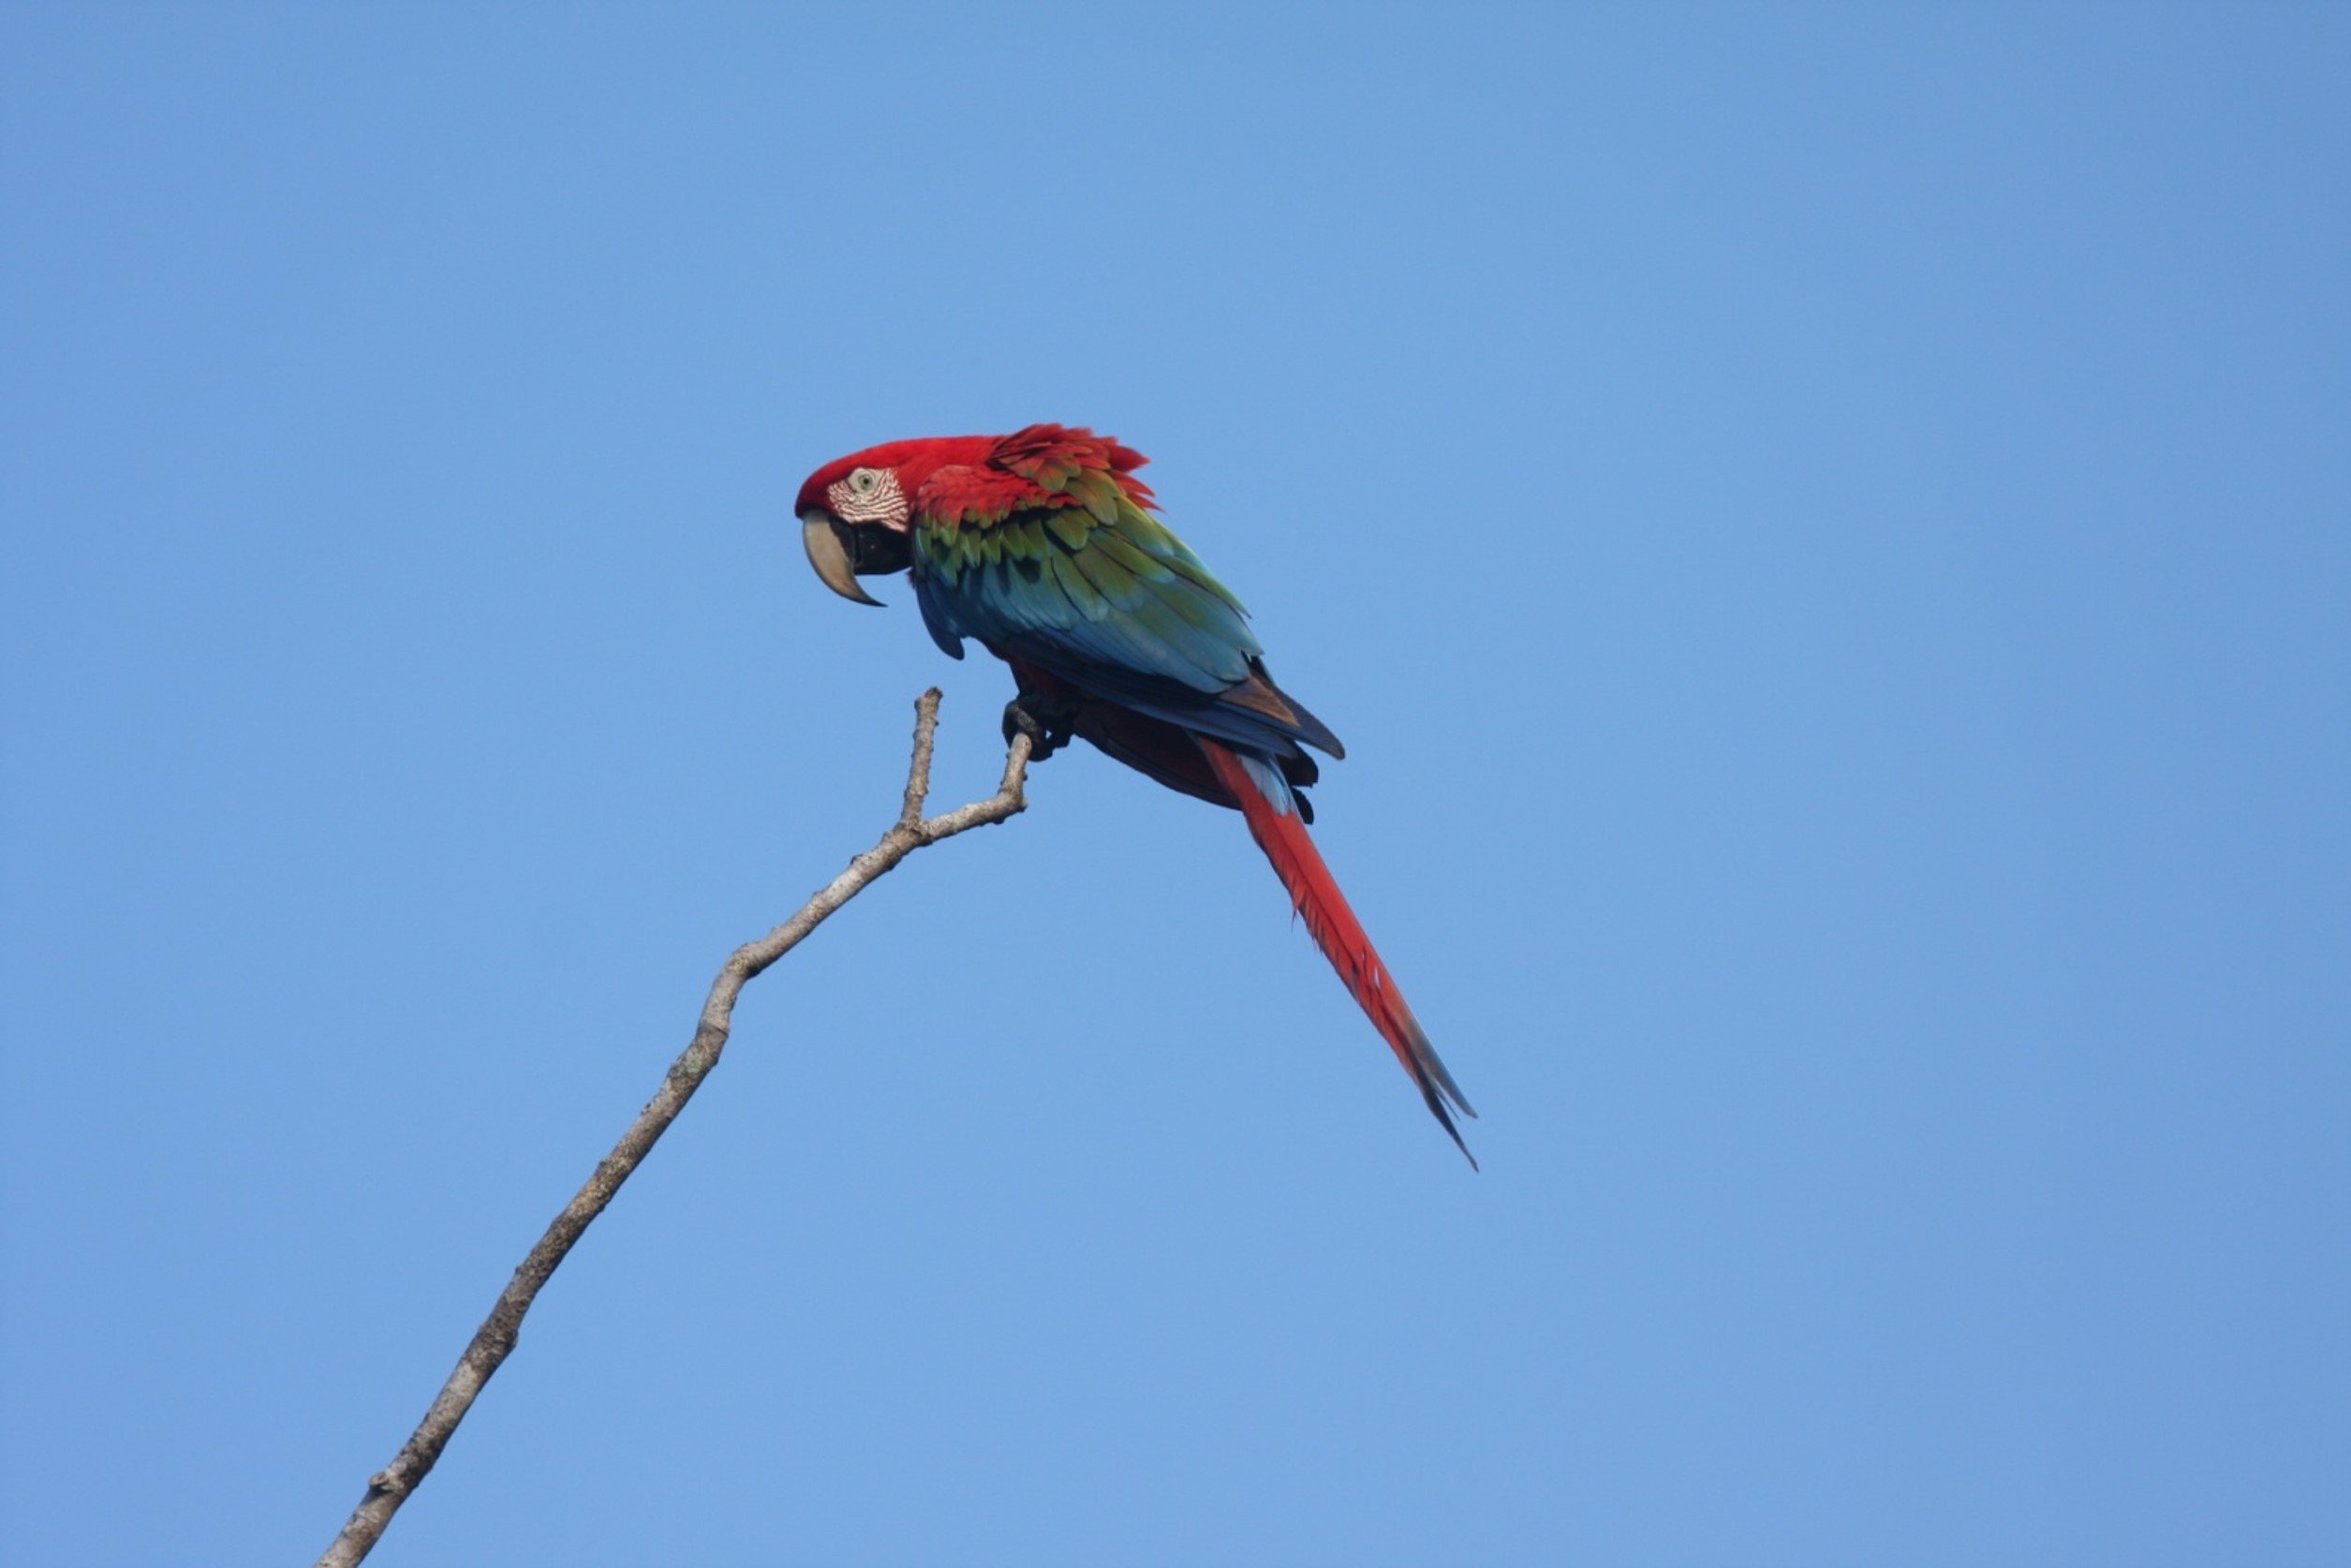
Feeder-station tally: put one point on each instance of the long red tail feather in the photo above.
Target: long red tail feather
(1281, 834)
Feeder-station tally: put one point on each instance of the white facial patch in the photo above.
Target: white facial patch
(868, 495)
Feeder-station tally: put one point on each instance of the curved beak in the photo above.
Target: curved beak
(830, 551)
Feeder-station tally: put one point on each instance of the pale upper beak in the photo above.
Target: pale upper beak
(829, 544)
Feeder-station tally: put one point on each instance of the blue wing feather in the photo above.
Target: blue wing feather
(1129, 613)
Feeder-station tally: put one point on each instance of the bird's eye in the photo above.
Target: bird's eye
(865, 481)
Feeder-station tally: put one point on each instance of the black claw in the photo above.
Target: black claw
(1044, 720)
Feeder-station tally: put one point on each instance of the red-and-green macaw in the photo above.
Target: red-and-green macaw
(1044, 546)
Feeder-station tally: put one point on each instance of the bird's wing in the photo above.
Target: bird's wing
(1079, 580)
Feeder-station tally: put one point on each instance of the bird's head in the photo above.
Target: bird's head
(854, 512)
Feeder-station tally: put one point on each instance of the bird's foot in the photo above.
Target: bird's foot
(1046, 718)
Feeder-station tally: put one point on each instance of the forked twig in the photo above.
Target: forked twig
(389, 1487)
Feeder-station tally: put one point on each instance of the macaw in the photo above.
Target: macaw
(1044, 546)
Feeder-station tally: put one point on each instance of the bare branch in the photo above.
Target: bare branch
(495, 1340)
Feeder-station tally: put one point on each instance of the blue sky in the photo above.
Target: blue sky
(1824, 532)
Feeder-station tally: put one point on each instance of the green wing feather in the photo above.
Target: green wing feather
(1094, 587)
